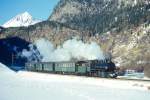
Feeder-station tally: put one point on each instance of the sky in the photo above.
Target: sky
(39, 9)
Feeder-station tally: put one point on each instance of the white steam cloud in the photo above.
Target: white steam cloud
(71, 49)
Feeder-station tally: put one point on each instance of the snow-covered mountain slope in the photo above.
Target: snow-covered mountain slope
(35, 86)
(24, 19)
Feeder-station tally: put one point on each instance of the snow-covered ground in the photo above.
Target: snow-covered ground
(37, 86)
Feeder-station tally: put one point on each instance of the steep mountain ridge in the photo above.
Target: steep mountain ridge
(101, 15)
(53, 31)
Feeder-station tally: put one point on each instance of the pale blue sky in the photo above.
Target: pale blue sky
(40, 9)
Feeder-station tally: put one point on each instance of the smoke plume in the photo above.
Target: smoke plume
(70, 49)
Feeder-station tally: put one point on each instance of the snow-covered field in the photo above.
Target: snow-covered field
(35, 86)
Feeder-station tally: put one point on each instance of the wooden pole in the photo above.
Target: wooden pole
(12, 59)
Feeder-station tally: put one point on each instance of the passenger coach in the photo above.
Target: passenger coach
(100, 68)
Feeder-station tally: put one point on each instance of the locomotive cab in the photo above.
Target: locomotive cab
(104, 68)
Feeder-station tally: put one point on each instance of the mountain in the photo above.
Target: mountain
(120, 27)
(24, 19)
(100, 16)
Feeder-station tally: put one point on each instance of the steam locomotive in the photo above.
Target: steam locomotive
(97, 68)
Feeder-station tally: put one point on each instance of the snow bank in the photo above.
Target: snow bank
(38, 86)
(5, 70)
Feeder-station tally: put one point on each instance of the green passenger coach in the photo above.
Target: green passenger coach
(105, 68)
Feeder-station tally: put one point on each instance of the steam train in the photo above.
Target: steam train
(97, 68)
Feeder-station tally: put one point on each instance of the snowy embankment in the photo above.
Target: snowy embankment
(37, 86)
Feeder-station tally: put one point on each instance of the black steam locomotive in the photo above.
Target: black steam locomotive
(99, 68)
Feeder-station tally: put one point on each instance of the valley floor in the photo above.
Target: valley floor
(38, 86)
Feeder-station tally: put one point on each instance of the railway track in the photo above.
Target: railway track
(124, 79)
(144, 80)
